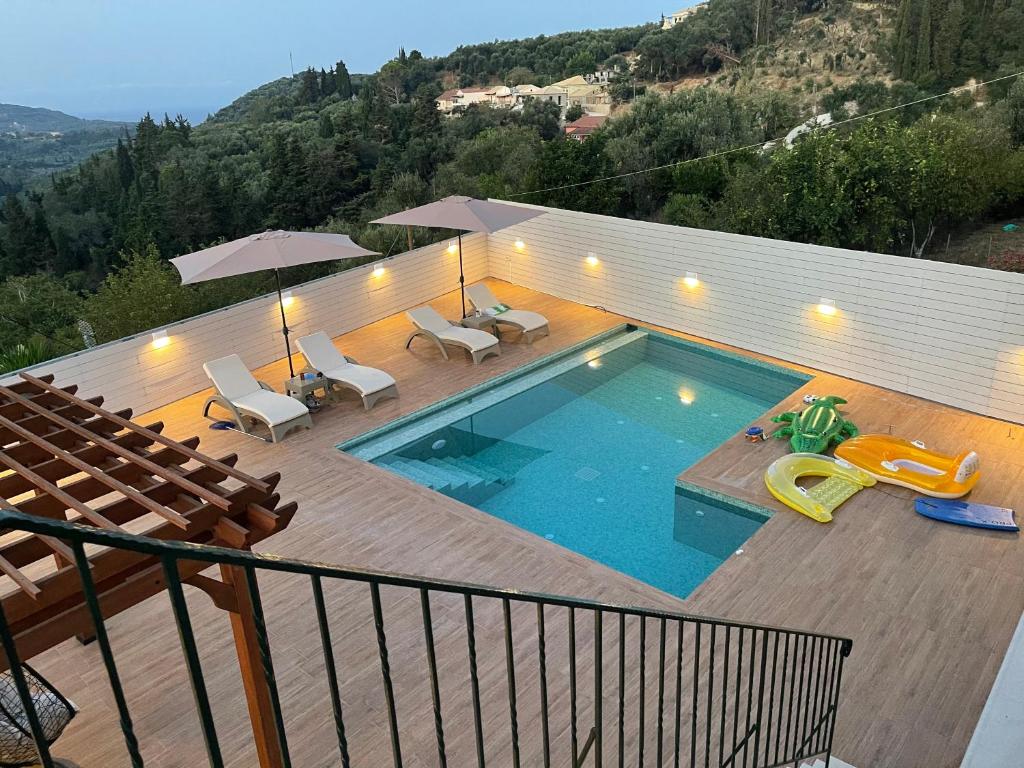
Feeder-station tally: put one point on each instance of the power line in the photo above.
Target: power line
(760, 144)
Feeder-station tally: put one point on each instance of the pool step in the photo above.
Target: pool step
(460, 477)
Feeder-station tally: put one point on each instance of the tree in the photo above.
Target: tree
(309, 87)
(144, 293)
(582, 63)
(1015, 103)
(519, 76)
(343, 81)
(575, 112)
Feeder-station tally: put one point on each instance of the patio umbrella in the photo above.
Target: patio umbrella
(465, 214)
(267, 250)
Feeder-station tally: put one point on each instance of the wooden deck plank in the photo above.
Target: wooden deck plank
(930, 607)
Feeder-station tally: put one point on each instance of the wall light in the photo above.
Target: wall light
(592, 260)
(691, 280)
(378, 270)
(160, 339)
(827, 306)
(452, 247)
(287, 299)
(519, 244)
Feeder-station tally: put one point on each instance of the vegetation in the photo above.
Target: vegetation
(330, 150)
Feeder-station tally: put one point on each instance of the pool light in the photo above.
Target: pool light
(827, 306)
(378, 269)
(160, 339)
(691, 280)
(452, 247)
(519, 244)
(595, 363)
(287, 299)
(686, 397)
(592, 260)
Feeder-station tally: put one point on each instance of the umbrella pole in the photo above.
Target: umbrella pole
(462, 279)
(284, 324)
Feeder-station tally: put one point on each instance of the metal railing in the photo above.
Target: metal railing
(478, 675)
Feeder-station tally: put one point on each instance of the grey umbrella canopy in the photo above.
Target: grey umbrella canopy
(466, 214)
(267, 250)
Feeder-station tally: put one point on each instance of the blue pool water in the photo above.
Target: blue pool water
(585, 449)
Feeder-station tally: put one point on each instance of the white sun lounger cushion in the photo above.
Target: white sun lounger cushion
(428, 319)
(321, 354)
(236, 384)
(483, 298)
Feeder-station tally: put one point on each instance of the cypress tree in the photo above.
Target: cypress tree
(923, 62)
(343, 81)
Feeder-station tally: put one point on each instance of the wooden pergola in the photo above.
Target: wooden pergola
(64, 457)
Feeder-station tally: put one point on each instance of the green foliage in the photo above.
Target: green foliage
(145, 292)
(23, 355)
(575, 112)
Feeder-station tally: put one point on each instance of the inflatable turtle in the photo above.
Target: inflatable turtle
(817, 427)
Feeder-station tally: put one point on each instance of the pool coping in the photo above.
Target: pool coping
(739, 506)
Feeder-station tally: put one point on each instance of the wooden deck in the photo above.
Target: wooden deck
(930, 607)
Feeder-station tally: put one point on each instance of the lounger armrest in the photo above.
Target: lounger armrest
(352, 360)
(264, 385)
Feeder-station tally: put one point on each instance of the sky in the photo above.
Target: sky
(118, 59)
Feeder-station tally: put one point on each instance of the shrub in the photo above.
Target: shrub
(1007, 261)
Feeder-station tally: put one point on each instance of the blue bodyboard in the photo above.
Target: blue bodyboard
(966, 513)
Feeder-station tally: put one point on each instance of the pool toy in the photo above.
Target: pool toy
(910, 464)
(755, 434)
(842, 480)
(817, 427)
(966, 513)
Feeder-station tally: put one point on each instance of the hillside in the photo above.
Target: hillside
(36, 142)
(21, 120)
(332, 151)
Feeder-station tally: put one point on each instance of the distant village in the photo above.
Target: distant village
(588, 92)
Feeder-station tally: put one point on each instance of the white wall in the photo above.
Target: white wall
(131, 373)
(944, 332)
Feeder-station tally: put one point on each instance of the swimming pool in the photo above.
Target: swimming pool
(583, 447)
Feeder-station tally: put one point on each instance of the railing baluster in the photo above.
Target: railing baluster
(385, 672)
(195, 670)
(844, 651)
(782, 696)
(24, 694)
(510, 670)
(474, 682)
(331, 668)
(435, 690)
(815, 714)
(787, 748)
(801, 696)
(598, 688)
(622, 689)
(263, 641)
(711, 698)
(661, 689)
(696, 694)
(573, 727)
(750, 693)
(679, 690)
(643, 692)
(826, 736)
(736, 696)
(542, 661)
(760, 695)
(725, 695)
(100, 628)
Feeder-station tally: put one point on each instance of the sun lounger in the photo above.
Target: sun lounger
(340, 370)
(249, 400)
(432, 326)
(531, 324)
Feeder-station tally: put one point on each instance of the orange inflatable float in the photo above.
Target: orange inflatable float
(901, 462)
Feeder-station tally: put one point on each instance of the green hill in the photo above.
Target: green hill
(36, 142)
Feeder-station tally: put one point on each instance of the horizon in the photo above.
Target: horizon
(216, 67)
